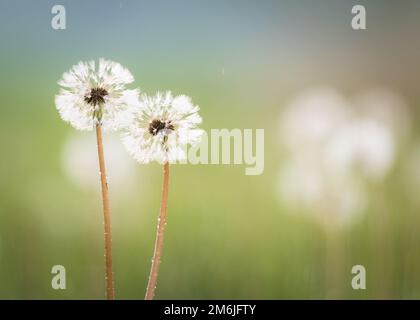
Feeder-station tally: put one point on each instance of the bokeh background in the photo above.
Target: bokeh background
(248, 64)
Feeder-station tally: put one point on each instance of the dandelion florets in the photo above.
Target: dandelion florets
(96, 96)
(156, 125)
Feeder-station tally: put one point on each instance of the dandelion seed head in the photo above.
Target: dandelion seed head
(95, 94)
(364, 146)
(308, 187)
(312, 117)
(387, 107)
(160, 127)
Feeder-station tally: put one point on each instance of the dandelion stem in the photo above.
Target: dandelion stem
(151, 286)
(109, 277)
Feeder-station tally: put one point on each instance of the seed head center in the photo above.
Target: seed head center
(157, 125)
(96, 96)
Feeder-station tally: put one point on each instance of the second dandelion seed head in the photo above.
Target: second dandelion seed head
(160, 127)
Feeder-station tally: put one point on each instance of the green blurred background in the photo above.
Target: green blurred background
(229, 236)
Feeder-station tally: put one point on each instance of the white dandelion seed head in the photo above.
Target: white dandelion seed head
(312, 117)
(161, 127)
(307, 186)
(93, 94)
(364, 146)
(387, 107)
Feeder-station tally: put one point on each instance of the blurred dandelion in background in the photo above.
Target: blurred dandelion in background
(332, 200)
(335, 150)
(363, 146)
(311, 117)
(386, 107)
(334, 147)
(80, 161)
